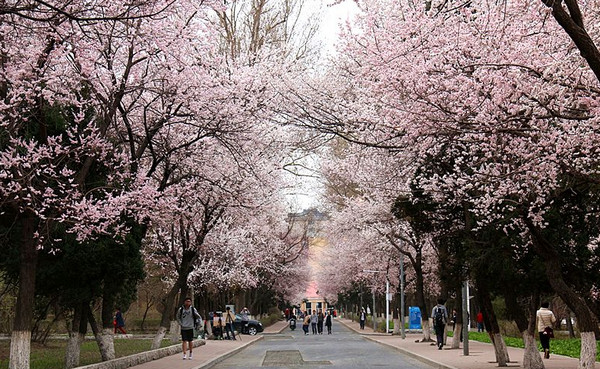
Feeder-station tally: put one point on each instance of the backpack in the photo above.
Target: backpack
(439, 318)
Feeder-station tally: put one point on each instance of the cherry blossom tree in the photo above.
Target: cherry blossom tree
(496, 93)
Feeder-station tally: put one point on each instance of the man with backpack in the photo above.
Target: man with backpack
(188, 319)
(440, 317)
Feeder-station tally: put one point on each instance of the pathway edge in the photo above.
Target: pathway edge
(423, 359)
(214, 361)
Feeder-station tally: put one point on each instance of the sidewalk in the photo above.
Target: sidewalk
(481, 355)
(211, 353)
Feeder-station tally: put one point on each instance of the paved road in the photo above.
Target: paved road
(344, 349)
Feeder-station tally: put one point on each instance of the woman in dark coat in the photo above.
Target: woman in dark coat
(328, 322)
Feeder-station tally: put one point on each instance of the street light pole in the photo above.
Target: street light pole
(387, 305)
(465, 332)
(402, 296)
(373, 312)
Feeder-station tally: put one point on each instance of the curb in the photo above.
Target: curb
(226, 355)
(141, 358)
(423, 359)
(277, 332)
(218, 359)
(362, 333)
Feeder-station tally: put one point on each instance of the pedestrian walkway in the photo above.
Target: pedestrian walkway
(211, 353)
(481, 355)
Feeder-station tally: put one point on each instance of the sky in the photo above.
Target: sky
(307, 189)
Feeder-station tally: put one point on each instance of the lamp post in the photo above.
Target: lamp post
(402, 296)
(465, 306)
(387, 300)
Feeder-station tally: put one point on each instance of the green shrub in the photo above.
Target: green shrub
(568, 347)
(52, 355)
(270, 319)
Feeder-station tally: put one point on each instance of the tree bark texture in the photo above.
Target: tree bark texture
(491, 323)
(531, 356)
(158, 337)
(76, 337)
(20, 343)
(585, 319)
(572, 22)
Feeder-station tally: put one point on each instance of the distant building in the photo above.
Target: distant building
(312, 219)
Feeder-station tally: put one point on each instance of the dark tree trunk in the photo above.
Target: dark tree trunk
(572, 23)
(169, 302)
(531, 355)
(20, 344)
(585, 320)
(491, 323)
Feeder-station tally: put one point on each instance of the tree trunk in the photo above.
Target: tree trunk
(76, 337)
(458, 333)
(149, 304)
(106, 344)
(588, 351)
(491, 323)
(500, 349)
(106, 338)
(158, 337)
(585, 319)
(570, 326)
(456, 336)
(165, 321)
(20, 342)
(426, 330)
(101, 338)
(174, 330)
(531, 356)
(420, 294)
(572, 23)
(169, 302)
(396, 317)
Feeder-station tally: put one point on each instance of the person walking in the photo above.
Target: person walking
(245, 312)
(545, 320)
(328, 322)
(440, 318)
(313, 321)
(320, 320)
(480, 321)
(362, 318)
(306, 323)
(229, 323)
(119, 322)
(188, 319)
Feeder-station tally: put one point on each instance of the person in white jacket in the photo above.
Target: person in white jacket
(545, 319)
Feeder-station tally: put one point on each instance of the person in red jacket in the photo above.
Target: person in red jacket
(480, 322)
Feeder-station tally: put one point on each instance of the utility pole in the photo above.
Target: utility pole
(402, 296)
(465, 315)
(387, 305)
(373, 312)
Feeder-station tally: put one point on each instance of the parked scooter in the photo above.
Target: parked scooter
(292, 322)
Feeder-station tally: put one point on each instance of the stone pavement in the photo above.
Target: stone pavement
(211, 353)
(481, 355)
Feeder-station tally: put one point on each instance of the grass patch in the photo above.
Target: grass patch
(52, 355)
(567, 346)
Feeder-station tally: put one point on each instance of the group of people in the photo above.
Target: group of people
(545, 320)
(316, 321)
(189, 319)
